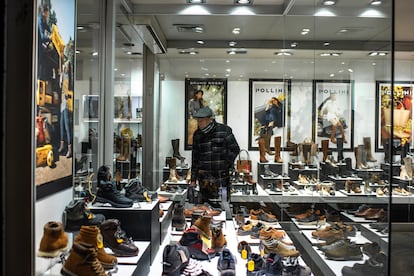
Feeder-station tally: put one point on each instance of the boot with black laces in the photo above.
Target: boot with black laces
(108, 193)
(117, 240)
(135, 191)
(77, 213)
(83, 260)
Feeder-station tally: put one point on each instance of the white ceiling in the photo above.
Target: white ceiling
(275, 25)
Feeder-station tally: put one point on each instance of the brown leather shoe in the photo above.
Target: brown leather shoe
(380, 214)
(271, 232)
(367, 212)
(304, 215)
(218, 240)
(117, 240)
(275, 246)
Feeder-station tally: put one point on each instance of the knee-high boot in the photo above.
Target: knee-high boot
(367, 144)
(176, 145)
(278, 142)
(333, 134)
(262, 150)
(325, 147)
(266, 138)
(340, 148)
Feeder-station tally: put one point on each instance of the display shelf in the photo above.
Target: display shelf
(358, 238)
(128, 121)
(176, 197)
(240, 197)
(165, 220)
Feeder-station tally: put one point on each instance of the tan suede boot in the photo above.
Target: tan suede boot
(92, 235)
(203, 224)
(83, 260)
(54, 240)
(262, 150)
(278, 142)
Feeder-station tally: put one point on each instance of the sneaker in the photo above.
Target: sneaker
(117, 240)
(196, 246)
(274, 246)
(77, 214)
(174, 259)
(255, 265)
(291, 267)
(345, 252)
(54, 240)
(255, 232)
(108, 193)
(373, 266)
(274, 265)
(226, 263)
(245, 229)
(262, 216)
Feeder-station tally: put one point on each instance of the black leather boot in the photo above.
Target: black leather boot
(340, 148)
(108, 193)
(176, 145)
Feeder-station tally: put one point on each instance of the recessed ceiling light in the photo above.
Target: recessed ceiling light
(236, 51)
(350, 70)
(376, 3)
(201, 42)
(232, 43)
(77, 51)
(326, 44)
(188, 52)
(293, 44)
(328, 2)
(196, 1)
(283, 53)
(330, 54)
(190, 28)
(94, 54)
(243, 2)
(236, 31)
(373, 54)
(332, 75)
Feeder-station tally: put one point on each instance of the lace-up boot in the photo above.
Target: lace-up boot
(108, 193)
(117, 240)
(83, 260)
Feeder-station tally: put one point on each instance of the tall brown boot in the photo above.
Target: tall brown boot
(262, 150)
(333, 134)
(92, 235)
(341, 129)
(266, 138)
(367, 144)
(173, 169)
(83, 260)
(325, 147)
(278, 142)
(54, 240)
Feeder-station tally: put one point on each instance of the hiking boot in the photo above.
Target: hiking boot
(174, 259)
(226, 263)
(272, 245)
(77, 214)
(203, 224)
(92, 235)
(274, 265)
(108, 193)
(255, 232)
(345, 252)
(245, 229)
(54, 240)
(218, 240)
(255, 265)
(196, 214)
(135, 191)
(178, 219)
(82, 260)
(262, 216)
(244, 249)
(117, 240)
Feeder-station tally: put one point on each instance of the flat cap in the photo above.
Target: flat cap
(203, 112)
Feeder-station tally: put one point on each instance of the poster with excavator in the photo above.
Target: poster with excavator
(54, 92)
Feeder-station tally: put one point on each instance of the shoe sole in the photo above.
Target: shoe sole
(114, 204)
(350, 258)
(52, 254)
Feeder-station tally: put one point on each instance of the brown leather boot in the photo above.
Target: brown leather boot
(54, 240)
(278, 142)
(117, 240)
(333, 133)
(92, 235)
(203, 224)
(83, 260)
(266, 138)
(262, 150)
(218, 240)
(172, 163)
(325, 147)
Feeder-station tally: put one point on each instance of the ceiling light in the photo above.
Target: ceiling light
(201, 42)
(236, 51)
(232, 43)
(283, 53)
(236, 31)
(376, 3)
(373, 54)
(196, 1)
(189, 28)
(330, 54)
(94, 54)
(350, 70)
(293, 44)
(243, 2)
(326, 44)
(77, 51)
(328, 2)
(188, 52)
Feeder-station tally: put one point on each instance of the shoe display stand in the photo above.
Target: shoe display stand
(294, 169)
(394, 168)
(165, 220)
(269, 173)
(329, 169)
(340, 181)
(178, 196)
(141, 221)
(239, 196)
(402, 182)
(181, 171)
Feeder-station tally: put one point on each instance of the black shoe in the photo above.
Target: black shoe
(371, 249)
(255, 265)
(274, 265)
(292, 267)
(108, 193)
(135, 191)
(174, 259)
(226, 263)
(373, 266)
(77, 214)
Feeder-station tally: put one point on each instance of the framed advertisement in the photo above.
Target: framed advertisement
(214, 95)
(267, 108)
(401, 108)
(333, 112)
(54, 94)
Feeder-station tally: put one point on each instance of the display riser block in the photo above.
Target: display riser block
(165, 221)
(396, 168)
(141, 224)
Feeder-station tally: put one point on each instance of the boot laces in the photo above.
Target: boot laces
(96, 266)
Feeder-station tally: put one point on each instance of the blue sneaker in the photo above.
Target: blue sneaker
(226, 263)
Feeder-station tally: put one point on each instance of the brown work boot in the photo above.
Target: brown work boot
(54, 240)
(82, 260)
(203, 224)
(218, 240)
(92, 235)
(117, 240)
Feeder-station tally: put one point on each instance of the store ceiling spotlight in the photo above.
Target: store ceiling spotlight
(236, 51)
(330, 54)
(243, 2)
(232, 43)
(284, 53)
(196, 1)
(190, 28)
(328, 2)
(188, 52)
(373, 54)
(376, 3)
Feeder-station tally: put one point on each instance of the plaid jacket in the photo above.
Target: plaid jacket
(213, 152)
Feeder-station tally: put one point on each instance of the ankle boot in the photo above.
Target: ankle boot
(203, 224)
(108, 193)
(218, 240)
(92, 235)
(117, 240)
(278, 142)
(78, 214)
(83, 260)
(266, 138)
(367, 144)
(294, 150)
(54, 240)
(178, 219)
(340, 148)
(306, 153)
(325, 147)
(176, 145)
(262, 150)
(173, 169)
(408, 164)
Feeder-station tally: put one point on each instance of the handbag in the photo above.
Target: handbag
(244, 164)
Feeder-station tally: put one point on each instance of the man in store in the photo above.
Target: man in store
(214, 151)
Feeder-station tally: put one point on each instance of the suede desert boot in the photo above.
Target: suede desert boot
(203, 224)
(218, 240)
(92, 235)
(54, 240)
(83, 260)
(117, 240)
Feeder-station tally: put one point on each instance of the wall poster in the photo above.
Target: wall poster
(402, 112)
(214, 95)
(267, 105)
(54, 94)
(333, 112)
